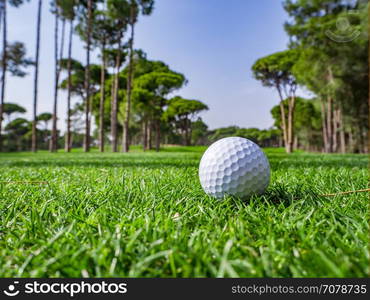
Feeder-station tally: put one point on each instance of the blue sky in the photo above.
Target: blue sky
(213, 43)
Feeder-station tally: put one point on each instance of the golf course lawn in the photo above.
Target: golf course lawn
(145, 215)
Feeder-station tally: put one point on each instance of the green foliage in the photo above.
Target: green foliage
(331, 64)
(45, 117)
(111, 56)
(109, 82)
(157, 85)
(119, 10)
(275, 70)
(76, 66)
(223, 132)
(161, 83)
(264, 138)
(307, 122)
(19, 126)
(306, 115)
(180, 113)
(17, 3)
(199, 132)
(142, 100)
(67, 8)
(104, 32)
(145, 7)
(78, 77)
(144, 65)
(179, 107)
(82, 14)
(11, 108)
(16, 61)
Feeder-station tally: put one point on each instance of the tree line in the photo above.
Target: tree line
(129, 96)
(327, 55)
(179, 126)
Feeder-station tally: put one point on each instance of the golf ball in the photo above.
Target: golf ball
(234, 166)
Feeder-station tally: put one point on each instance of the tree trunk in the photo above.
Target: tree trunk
(350, 140)
(114, 106)
(46, 126)
(307, 146)
(365, 133)
(149, 143)
(336, 127)
(329, 125)
(72, 136)
(111, 111)
(4, 67)
(324, 127)
(87, 78)
(189, 133)
(54, 116)
(54, 137)
(283, 120)
(183, 131)
(283, 125)
(1, 11)
(67, 145)
(330, 119)
(102, 100)
(62, 43)
(35, 93)
(291, 107)
(361, 144)
(157, 135)
(186, 136)
(19, 143)
(126, 124)
(280, 141)
(342, 136)
(145, 135)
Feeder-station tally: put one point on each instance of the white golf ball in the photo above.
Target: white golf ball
(234, 166)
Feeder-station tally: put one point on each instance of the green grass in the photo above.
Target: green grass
(145, 214)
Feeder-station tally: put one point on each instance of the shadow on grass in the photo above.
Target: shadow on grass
(286, 195)
(278, 194)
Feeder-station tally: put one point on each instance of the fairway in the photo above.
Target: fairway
(145, 215)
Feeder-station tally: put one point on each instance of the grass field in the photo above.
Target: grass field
(146, 215)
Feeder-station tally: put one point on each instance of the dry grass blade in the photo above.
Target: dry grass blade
(344, 193)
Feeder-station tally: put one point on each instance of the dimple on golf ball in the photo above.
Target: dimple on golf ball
(234, 166)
